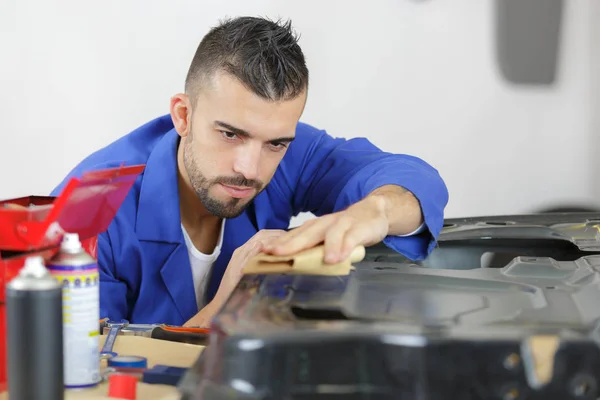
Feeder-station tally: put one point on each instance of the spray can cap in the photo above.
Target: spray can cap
(70, 242)
(34, 267)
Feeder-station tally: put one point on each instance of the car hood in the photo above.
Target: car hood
(524, 326)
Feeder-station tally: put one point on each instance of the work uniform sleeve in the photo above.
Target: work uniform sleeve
(336, 173)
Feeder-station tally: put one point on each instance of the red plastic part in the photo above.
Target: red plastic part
(122, 386)
(3, 369)
(86, 206)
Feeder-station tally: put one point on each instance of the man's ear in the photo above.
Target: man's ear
(181, 113)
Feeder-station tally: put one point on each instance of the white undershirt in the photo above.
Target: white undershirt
(202, 264)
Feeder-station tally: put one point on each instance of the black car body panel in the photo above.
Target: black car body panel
(484, 242)
(445, 328)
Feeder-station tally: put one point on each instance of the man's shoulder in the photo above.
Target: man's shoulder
(306, 133)
(309, 141)
(307, 138)
(134, 148)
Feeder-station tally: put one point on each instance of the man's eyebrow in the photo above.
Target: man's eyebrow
(233, 129)
(241, 132)
(287, 139)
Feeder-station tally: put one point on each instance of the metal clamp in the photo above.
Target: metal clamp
(114, 327)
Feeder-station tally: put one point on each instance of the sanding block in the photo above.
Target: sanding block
(307, 262)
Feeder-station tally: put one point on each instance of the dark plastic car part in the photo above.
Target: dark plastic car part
(492, 242)
(399, 330)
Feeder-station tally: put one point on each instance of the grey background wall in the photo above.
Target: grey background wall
(417, 77)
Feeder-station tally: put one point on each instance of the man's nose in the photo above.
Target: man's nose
(247, 161)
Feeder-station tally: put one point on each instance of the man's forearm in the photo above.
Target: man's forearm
(401, 208)
(204, 316)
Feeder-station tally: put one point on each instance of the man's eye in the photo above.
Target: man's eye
(228, 135)
(278, 146)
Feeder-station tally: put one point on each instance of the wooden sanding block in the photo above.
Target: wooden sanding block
(307, 262)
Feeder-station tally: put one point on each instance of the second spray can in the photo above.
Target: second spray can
(77, 271)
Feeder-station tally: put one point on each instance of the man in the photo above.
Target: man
(226, 171)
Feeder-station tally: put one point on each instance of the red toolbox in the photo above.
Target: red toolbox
(35, 225)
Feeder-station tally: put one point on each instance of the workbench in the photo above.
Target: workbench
(157, 352)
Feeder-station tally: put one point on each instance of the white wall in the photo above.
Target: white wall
(413, 76)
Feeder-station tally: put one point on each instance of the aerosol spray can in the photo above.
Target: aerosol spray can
(77, 272)
(34, 334)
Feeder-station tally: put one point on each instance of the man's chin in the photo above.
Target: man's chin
(230, 208)
(230, 212)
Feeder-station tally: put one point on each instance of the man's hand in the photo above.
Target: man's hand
(362, 223)
(388, 210)
(240, 257)
(233, 274)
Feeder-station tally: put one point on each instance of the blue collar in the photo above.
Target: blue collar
(160, 191)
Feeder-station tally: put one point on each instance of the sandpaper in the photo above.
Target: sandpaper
(307, 262)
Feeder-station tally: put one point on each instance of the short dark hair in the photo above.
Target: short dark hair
(263, 54)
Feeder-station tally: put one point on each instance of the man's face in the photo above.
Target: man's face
(235, 143)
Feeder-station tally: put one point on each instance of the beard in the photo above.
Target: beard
(201, 184)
